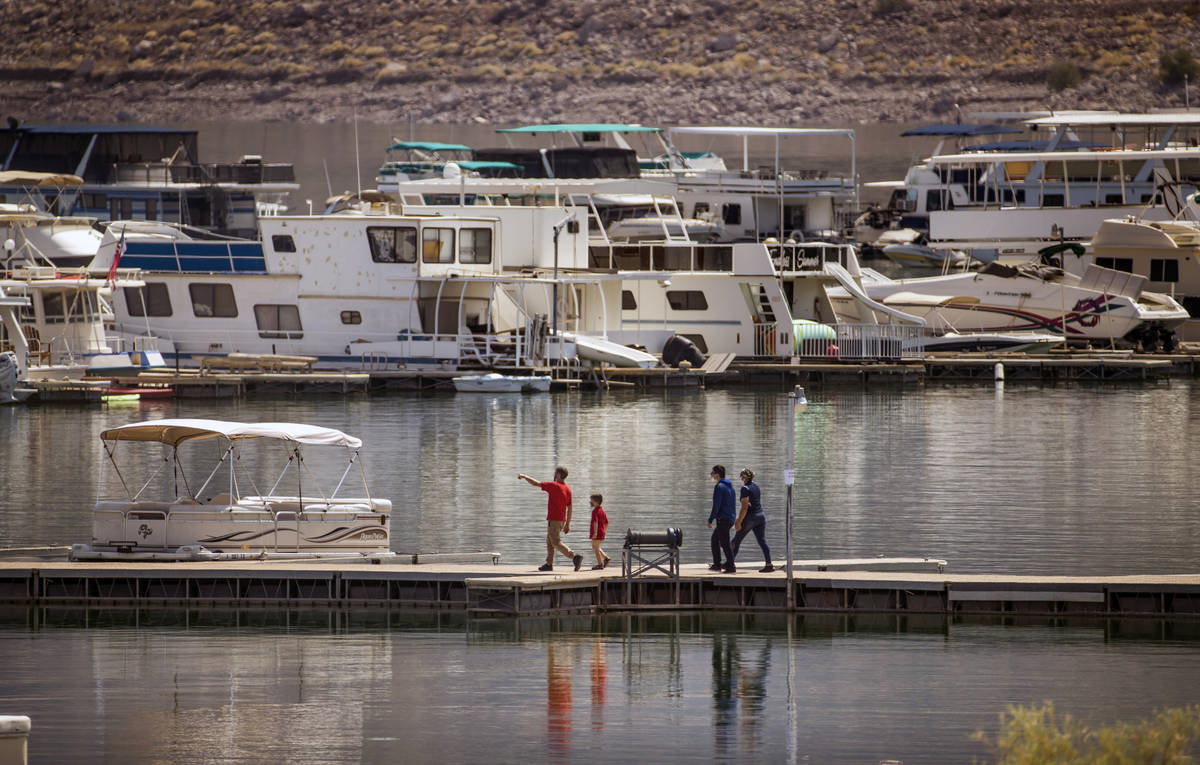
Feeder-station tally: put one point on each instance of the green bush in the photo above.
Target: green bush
(1037, 735)
(1062, 75)
(1175, 65)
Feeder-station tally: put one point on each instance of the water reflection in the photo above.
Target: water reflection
(334, 687)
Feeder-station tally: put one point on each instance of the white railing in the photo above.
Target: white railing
(867, 342)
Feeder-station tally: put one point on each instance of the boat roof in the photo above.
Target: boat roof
(428, 146)
(583, 127)
(759, 131)
(961, 130)
(1117, 155)
(38, 180)
(1110, 118)
(175, 431)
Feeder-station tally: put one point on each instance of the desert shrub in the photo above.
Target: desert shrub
(1176, 65)
(335, 50)
(1062, 75)
(201, 6)
(1037, 734)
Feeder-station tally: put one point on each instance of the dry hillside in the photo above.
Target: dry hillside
(776, 62)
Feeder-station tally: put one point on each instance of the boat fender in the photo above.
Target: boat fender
(832, 352)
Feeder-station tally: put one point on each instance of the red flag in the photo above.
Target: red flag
(117, 253)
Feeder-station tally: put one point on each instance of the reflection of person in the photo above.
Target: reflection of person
(558, 517)
(596, 530)
(752, 518)
(724, 514)
(558, 697)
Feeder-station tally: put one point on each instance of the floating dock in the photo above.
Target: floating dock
(481, 587)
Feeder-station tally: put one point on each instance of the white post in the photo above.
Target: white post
(797, 401)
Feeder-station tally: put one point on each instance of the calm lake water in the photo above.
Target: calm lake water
(1023, 479)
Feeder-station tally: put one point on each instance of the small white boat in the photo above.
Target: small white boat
(1010, 342)
(497, 383)
(916, 255)
(215, 521)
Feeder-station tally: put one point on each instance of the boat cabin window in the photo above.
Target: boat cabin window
(1113, 199)
(151, 209)
(351, 317)
(1164, 270)
(278, 321)
(94, 201)
(732, 214)
(437, 245)
(687, 300)
(628, 302)
(283, 243)
(1052, 200)
(68, 307)
(700, 209)
(698, 341)
(933, 200)
(151, 300)
(475, 245)
(393, 244)
(1116, 264)
(213, 300)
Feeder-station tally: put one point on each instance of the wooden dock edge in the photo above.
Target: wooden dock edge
(482, 592)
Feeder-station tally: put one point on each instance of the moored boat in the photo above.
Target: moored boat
(211, 521)
(494, 382)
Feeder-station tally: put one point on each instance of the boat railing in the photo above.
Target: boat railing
(878, 342)
(165, 173)
(659, 256)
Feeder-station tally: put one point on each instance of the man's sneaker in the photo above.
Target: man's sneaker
(730, 569)
(578, 560)
(766, 569)
(715, 567)
(545, 567)
(597, 567)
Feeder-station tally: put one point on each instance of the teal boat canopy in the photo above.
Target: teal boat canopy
(478, 164)
(428, 146)
(593, 127)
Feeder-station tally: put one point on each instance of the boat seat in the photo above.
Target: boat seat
(186, 501)
(220, 499)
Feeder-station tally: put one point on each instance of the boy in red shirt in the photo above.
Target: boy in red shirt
(596, 531)
(558, 516)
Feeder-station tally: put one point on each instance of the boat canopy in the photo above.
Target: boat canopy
(1035, 146)
(427, 146)
(592, 127)
(32, 179)
(175, 431)
(961, 130)
(757, 131)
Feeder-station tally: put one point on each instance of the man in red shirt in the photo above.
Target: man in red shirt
(558, 516)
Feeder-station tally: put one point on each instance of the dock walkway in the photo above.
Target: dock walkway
(484, 588)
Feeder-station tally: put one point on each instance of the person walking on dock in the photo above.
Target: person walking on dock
(597, 529)
(558, 516)
(752, 518)
(724, 514)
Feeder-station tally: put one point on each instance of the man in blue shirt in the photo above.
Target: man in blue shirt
(724, 512)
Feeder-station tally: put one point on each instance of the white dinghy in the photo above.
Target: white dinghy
(194, 524)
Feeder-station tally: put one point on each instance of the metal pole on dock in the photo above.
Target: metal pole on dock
(798, 402)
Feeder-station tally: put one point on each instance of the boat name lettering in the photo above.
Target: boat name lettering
(1011, 294)
(369, 535)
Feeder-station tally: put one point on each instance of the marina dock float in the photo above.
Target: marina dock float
(480, 587)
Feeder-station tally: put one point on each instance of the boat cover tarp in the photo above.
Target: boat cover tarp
(961, 130)
(31, 179)
(593, 127)
(175, 431)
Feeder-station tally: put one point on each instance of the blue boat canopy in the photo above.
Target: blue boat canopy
(593, 127)
(1033, 146)
(961, 130)
(428, 146)
(479, 164)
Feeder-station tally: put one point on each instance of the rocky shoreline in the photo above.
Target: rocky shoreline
(662, 62)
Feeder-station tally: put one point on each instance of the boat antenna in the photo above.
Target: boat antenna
(328, 185)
